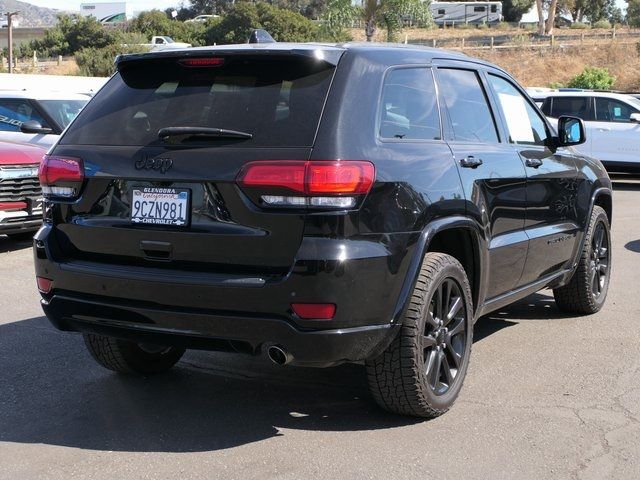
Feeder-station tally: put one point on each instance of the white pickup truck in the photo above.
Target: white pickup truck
(612, 122)
(162, 42)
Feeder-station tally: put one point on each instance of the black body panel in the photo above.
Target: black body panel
(228, 279)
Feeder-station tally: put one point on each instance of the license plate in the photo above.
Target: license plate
(160, 206)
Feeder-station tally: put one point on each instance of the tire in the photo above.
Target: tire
(123, 356)
(587, 290)
(403, 378)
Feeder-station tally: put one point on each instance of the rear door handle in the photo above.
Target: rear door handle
(533, 162)
(604, 129)
(470, 162)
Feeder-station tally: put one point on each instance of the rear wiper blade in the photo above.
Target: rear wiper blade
(183, 133)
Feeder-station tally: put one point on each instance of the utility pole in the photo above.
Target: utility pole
(10, 16)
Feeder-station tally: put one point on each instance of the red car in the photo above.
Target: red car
(20, 193)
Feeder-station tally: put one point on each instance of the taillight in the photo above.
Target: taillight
(320, 184)
(61, 177)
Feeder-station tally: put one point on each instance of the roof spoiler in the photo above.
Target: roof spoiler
(260, 36)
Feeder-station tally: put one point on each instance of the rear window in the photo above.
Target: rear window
(572, 106)
(278, 100)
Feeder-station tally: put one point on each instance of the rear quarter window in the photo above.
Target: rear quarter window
(278, 100)
(409, 107)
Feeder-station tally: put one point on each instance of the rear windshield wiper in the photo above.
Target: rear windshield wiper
(184, 133)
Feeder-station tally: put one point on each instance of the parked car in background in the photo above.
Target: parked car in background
(202, 18)
(317, 203)
(35, 117)
(612, 121)
(20, 193)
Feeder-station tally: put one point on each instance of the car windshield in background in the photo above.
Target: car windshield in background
(276, 100)
(63, 111)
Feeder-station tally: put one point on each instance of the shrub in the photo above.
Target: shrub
(593, 78)
(602, 24)
(502, 26)
(99, 62)
(579, 26)
(283, 25)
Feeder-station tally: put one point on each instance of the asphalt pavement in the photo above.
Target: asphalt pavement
(546, 396)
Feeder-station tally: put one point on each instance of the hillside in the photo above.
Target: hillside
(30, 15)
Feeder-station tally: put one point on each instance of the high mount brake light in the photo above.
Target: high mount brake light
(313, 183)
(61, 177)
(202, 62)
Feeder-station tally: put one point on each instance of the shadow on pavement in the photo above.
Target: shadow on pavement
(8, 244)
(52, 392)
(633, 246)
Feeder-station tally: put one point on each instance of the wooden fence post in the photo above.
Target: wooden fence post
(491, 43)
(462, 45)
(35, 59)
(59, 60)
(434, 43)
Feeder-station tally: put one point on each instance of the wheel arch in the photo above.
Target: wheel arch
(458, 236)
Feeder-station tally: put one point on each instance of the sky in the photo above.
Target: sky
(146, 4)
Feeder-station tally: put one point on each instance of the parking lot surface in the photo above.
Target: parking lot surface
(546, 396)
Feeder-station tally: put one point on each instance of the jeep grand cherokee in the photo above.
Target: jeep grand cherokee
(321, 204)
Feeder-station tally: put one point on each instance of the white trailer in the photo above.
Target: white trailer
(451, 13)
(107, 12)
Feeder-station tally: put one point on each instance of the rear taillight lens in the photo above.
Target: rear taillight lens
(61, 177)
(320, 184)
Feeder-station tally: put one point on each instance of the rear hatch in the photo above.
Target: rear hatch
(162, 145)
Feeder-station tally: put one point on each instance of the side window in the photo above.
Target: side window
(409, 108)
(525, 125)
(573, 106)
(467, 106)
(14, 112)
(611, 110)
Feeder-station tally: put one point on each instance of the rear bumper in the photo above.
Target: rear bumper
(18, 221)
(210, 311)
(208, 331)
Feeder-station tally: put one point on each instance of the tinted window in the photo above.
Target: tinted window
(610, 110)
(409, 108)
(277, 100)
(573, 106)
(62, 111)
(15, 111)
(524, 124)
(467, 106)
(494, 8)
(441, 11)
(478, 9)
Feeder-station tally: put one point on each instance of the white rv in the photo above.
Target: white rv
(107, 12)
(451, 13)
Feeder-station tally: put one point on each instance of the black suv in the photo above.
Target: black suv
(321, 204)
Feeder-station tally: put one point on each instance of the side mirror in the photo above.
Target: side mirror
(570, 131)
(634, 117)
(33, 126)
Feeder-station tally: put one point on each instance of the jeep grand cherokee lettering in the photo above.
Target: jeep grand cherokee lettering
(336, 204)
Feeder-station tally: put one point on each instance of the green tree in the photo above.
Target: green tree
(513, 10)
(633, 13)
(155, 22)
(283, 25)
(593, 78)
(70, 34)
(338, 15)
(390, 12)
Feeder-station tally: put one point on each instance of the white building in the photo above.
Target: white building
(107, 12)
